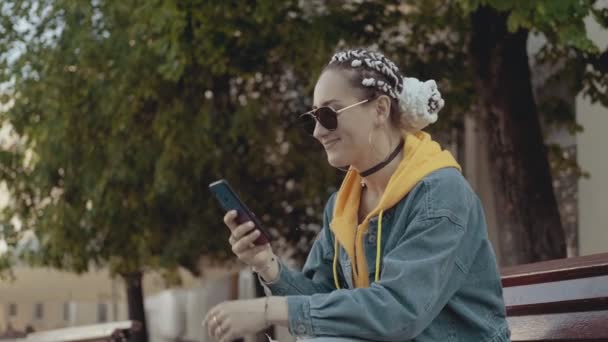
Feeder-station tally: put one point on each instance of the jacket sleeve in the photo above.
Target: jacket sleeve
(419, 275)
(317, 273)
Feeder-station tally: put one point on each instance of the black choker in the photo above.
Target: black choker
(382, 164)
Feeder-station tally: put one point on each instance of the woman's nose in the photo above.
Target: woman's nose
(319, 130)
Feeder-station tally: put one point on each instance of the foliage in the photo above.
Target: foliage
(125, 111)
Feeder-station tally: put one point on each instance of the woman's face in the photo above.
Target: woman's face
(349, 143)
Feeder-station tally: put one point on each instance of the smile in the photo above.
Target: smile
(329, 144)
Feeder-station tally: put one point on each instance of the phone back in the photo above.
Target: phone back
(229, 200)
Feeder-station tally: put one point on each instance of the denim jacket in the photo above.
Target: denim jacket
(439, 279)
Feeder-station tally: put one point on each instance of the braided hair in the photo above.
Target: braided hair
(414, 104)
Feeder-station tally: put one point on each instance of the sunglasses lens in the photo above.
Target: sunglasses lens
(327, 118)
(307, 122)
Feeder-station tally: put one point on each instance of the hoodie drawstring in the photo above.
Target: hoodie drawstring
(335, 267)
(378, 247)
(378, 254)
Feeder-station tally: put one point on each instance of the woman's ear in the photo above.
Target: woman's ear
(383, 109)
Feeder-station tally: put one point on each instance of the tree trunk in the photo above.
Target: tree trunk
(135, 302)
(528, 217)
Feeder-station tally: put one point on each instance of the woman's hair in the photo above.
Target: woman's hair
(414, 104)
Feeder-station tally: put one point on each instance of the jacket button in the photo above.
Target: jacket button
(371, 238)
(301, 329)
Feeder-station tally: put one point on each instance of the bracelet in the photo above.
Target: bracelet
(266, 268)
(266, 312)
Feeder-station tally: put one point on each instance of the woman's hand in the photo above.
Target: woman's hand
(242, 238)
(234, 319)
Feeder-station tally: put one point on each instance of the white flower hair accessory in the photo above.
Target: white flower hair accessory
(419, 102)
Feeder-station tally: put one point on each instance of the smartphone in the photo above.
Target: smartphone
(230, 201)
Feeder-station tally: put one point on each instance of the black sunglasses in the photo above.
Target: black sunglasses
(326, 116)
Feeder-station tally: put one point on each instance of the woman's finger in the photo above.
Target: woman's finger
(218, 333)
(212, 320)
(242, 230)
(211, 325)
(226, 334)
(219, 329)
(230, 219)
(211, 313)
(253, 251)
(244, 243)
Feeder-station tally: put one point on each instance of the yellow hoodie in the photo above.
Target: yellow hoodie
(421, 156)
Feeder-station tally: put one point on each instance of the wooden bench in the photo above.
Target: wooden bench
(558, 300)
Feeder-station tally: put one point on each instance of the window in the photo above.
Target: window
(102, 312)
(38, 311)
(12, 309)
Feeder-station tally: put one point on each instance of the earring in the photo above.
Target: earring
(370, 140)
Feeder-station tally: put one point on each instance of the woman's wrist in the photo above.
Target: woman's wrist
(270, 271)
(276, 311)
(266, 266)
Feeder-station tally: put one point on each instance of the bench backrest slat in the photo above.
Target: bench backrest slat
(565, 300)
(555, 270)
(578, 326)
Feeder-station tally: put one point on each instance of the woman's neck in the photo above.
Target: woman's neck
(376, 183)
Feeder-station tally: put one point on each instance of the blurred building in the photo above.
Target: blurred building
(592, 146)
(42, 299)
(46, 299)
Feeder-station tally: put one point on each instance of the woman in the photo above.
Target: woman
(403, 253)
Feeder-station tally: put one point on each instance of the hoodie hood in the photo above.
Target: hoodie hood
(421, 156)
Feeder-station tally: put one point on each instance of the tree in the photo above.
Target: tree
(530, 223)
(126, 112)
